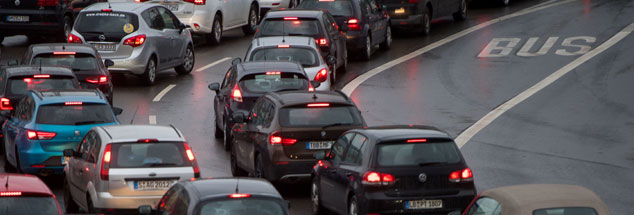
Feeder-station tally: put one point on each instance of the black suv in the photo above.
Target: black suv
(280, 136)
(365, 22)
(39, 17)
(417, 14)
(392, 169)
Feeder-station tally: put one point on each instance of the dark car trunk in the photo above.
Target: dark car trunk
(306, 136)
(393, 5)
(27, 4)
(408, 183)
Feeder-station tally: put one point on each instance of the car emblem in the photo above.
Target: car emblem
(17, 2)
(323, 134)
(102, 37)
(422, 177)
(77, 133)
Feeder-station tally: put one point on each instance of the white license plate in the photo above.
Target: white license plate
(172, 7)
(105, 47)
(153, 185)
(423, 204)
(318, 145)
(17, 18)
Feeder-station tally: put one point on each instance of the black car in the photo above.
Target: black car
(84, 60)
(310, 23)
(280, 136)
(365, 22)
(224, 196)
(392, 169)
(417, 14)
(245, 82)
(52, 18)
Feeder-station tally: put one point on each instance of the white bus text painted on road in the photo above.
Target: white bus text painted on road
(501, 47)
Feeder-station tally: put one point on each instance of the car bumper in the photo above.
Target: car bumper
(39, 162)
(290, 170)
(409, 21)
(274, 3)
(134, 64)
(201, 21)
(106, 200)
(378, 202)
(355, 40)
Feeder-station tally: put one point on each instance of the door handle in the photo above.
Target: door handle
(348, 174)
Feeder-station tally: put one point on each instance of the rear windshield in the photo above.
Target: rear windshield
(281, 27)
(335, 8)
(306, 57)
(243, 206)
(141, 155)
(20, 85)
(414, 154)
(108, 23)
(78, 62)
(263, 83)
(319, 116)
(28, 205)
(566, 211)
(60, 114)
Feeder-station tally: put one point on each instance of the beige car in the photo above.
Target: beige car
(538, 199)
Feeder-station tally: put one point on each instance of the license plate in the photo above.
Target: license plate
(105, 47)
(172, 7)
(153, 185)
(423, 204)
(318, 145)
(17, 18)
(399, 11)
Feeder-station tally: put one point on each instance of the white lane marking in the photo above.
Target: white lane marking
(212, 64)
(152, 119)
(163, 92)
(352, 85)
(467, 134)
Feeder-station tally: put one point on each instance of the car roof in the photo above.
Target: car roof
(61, 96)
(302, 13)
(23, 183)
(118, 7)
(218, 187)
(399, 132)
(57, 47)
(132, 133)
(524, 199)
(256, 67)
(289, 40)
(35, 70)
(290, 98)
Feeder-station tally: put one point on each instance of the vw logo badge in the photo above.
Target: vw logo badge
(323, 133)
(77, 133)
(422, 177)
(102, 37)
(17, 2)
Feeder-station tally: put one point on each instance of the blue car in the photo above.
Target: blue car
(45, 123)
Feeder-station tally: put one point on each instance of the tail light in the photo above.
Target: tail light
(276, 139)
(239, 195)
(11, 193)
(236, 94)
(105, 162)
(139, 1)
(5, 104)
(377, 178)
(97, 79)
(321, 42)
(73, 103)
(192, 158)
(135, 41)
(464, 175)
(197, 2)
(413, 1)
(318, 105)
(74, 39)
(40, 135)
(353, 24)
(322, 75)
(45, 3)
(290, 18)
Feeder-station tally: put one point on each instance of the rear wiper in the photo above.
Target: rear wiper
(334, 124)
(431, 163)
(89, 122)
(163, 164)
(296, 34)
(92, 32)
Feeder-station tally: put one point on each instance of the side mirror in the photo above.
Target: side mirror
(108, 63)
(332, 60)
(214, 87)
(117, 111)
(236, 61)
(315, 83)
(70, 153)
(238, 117)
(12, 62)
(321, 155)
(145, 210)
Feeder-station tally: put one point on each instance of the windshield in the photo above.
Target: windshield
(78, 62)
(299, 27)
(414, 154)
(306, 57)
(273, 82)
(140, 155)
(243, 206)
(27, 205)
(117, 23)
(20, 85)
(335, 8)
(60, 114)
(319, 116)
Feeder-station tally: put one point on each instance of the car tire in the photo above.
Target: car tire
(69, 203)
(216, 31)
(461, 14)
(425, 27)
(218, 132)
(317, 207)
(149, 76)
(367, 49)
(17, 169)
(387, 43)
(91, 207)
(505, 2)
(188, 62)
(353, 207)
(7, 166)
(226, 141)
(66, 29)
(1, 38)
(252, 21)
(236, 171)
(259, 168)
(344, 67)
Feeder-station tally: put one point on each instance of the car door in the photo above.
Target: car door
(174, 202)
(224, 95)
(337, 39)
(81, 168)
(244, 137)
(233, 12)
(74, 165)
(348, 170)
(12, 127)
(156, 36)
(173, 34)
(328, 180)
(378, 21)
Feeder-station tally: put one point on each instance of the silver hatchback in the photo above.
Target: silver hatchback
(141, 39)
(123, 167)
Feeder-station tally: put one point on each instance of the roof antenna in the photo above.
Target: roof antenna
(6, 184)
(109, 6)
(40, 66)
(237, 182)
(283, 31)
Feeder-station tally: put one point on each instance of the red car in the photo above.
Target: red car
(26, 194)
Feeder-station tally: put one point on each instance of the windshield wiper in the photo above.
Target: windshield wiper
(163, 164)
(89, 122)
(334, 124)
(431, 163)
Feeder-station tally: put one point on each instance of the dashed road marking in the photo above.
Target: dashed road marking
(212, 64)
(159, 96)
(152, 119)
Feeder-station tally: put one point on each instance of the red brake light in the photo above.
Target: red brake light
(273, 73)
(321, 42)
(73, 103)
(376, 178)
(10, 193)
(196, 2)
(192, 158)
(44, 3)
(318, 105)
(461, 175)
(135, 41)
(353, 24)
(413, 1)
(466, 174)
(190, 154)
(417, 140)
(239, 195)
(322, 75)
(40, 135)
(139, 1)
(147, 141)
(284, 46)
(276, 139)
(105, 162)
(236, 94)
(41, 76)
(290, 18)
(326, 0)
(74, 39)
(97, 79)
(5, 104)
(64, 53)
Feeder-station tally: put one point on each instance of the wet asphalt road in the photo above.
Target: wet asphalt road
(576, 131)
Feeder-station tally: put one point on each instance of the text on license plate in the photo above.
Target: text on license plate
(17, 18)
(316, 145)
(105, 47)
(172, 7)
(153, 185)
(423, 204)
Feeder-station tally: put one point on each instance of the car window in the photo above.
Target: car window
(143, 155)
(566, 211)
(153, 19)
(414, 154)
(305, 116)
(336, 8)
(21, 85)
(365, 7)
(353, 156)
(84, 114)
(93, 152)
(88, 145)
(28, 205)
(485, 206)
(108, 23)
(373, 6)
(168, 18)
(26, 109)
(300, 27)
(337, 149)
(268, 112)
(225, 80)
(175, 202)
(305, 56)
(241, 206)
(273, 82)
(77, 62)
